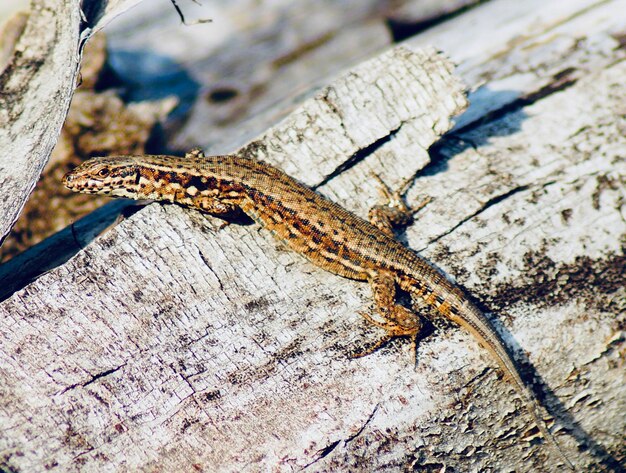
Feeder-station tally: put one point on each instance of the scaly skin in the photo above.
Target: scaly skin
(322, 231)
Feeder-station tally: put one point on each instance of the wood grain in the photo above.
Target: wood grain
(168, 344)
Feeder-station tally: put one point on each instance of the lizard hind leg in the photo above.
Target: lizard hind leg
(395, 212)
(396, 320)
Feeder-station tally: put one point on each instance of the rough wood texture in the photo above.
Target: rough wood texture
(167, 344)
(254, 63)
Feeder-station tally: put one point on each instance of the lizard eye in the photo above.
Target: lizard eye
(104, 172)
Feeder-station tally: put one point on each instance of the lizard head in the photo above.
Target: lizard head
(113, 175)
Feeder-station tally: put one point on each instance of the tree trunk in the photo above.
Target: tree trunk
(172, 344)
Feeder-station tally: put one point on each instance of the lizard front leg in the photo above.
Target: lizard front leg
(196, 152)
(215, 207)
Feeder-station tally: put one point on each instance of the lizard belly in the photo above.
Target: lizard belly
(317, 247)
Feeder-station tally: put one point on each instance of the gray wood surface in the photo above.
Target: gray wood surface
(170, 344)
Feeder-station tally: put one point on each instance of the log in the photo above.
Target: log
(169, 343)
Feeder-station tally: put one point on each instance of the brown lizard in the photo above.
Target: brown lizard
(322, 231)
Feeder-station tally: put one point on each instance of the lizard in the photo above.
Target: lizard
(319, 229)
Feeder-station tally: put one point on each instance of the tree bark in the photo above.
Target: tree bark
(171, 344)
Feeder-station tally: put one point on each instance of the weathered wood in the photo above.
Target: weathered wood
(254, 63)
(59, 248)
(30, 78)
(97, 123)
(37, 81)
(167, 344)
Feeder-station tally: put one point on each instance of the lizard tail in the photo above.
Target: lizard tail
(451, 303)
(470, 318)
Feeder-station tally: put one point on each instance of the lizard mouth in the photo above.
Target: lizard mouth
(69, 180)
(72, 181)
(82, 184)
